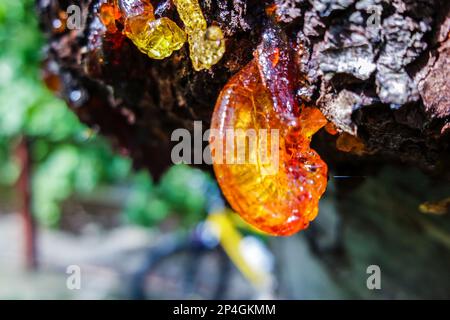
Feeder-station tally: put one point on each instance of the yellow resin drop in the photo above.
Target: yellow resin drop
(206, 51)
(206, 44)
(191, 14)
(158, 38)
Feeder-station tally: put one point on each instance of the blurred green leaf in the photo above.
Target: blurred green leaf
(183, 188)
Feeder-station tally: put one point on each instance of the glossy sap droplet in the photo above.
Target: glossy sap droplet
(285, 201)
(134, 8)
(206, 44)
(157, 38)
(109, 14)
(206, 52)
(279, 192)
(191, 14)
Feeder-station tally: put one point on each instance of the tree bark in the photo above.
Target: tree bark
(378, 70)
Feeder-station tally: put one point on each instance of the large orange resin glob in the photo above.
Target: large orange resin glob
(279, 196)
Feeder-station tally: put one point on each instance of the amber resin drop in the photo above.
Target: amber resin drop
(280, 202)
(109, 13)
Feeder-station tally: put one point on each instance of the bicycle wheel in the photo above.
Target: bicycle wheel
(182, 271)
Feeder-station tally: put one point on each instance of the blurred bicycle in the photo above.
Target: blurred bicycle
(215, 260)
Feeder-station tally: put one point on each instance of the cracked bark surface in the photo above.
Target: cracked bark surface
(382, 78)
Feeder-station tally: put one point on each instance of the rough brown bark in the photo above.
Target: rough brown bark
(388, 84)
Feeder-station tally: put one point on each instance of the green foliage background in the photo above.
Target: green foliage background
(68, 158)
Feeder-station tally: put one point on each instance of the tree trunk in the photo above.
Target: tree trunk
(378, 70)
